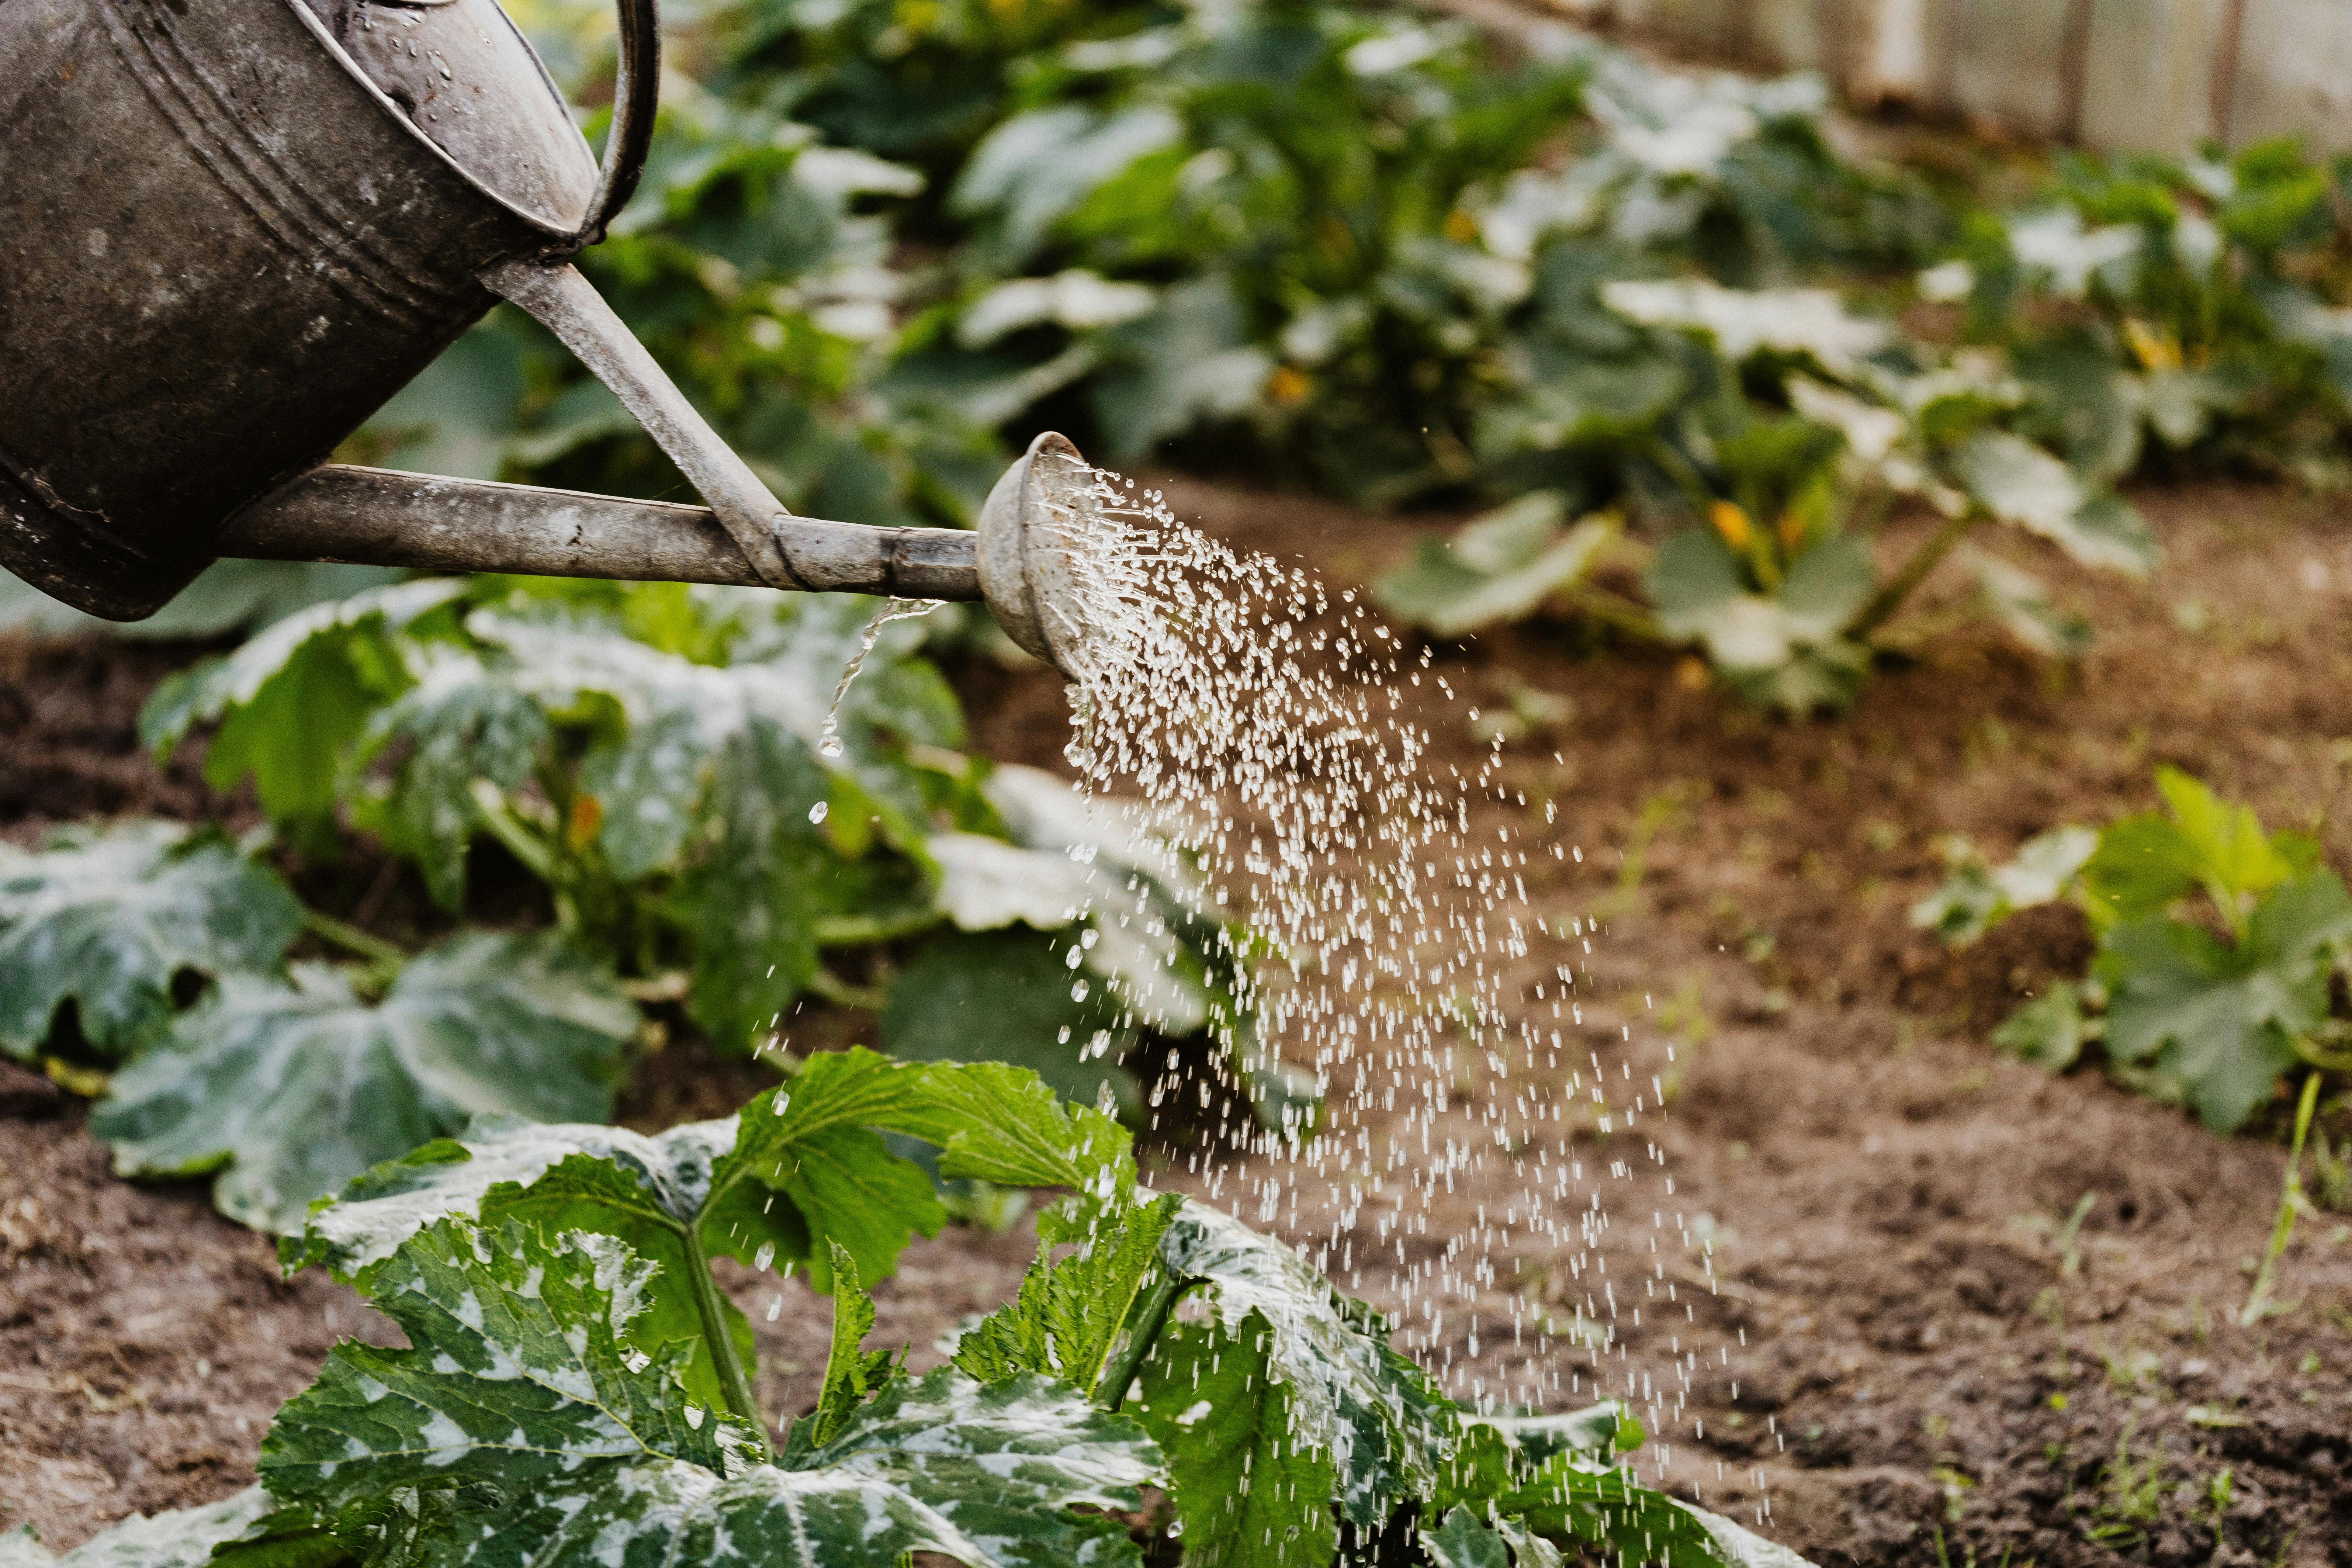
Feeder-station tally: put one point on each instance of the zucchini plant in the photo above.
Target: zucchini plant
(576, 1387)
(2219, 945)
(656, 758)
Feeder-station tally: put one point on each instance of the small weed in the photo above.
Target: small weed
(2131, 1497)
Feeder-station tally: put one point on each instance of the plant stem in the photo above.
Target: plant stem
(351, 939)
(1613, 610)
(732, 1380)
(2291, 1203)
(1913, 572)
(1149, 1315)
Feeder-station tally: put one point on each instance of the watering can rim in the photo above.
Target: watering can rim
(627, 143)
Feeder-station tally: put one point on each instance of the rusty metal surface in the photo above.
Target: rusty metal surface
(377, 516)
(568, 305)
(221, 248)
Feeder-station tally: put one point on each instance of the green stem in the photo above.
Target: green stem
(1149, 1315)
(1913, 572)
(733, 1381)
(841, 992)
(351, 939)
(1613, 610)
(2291, 1204)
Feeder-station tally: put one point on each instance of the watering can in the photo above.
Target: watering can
(231, 230)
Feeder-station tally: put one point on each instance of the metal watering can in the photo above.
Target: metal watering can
(231, 230)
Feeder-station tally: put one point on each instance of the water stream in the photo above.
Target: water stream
(1266, 745)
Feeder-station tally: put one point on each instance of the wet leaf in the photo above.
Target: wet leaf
(1252, 1486)
(1351, 1407)
(525, 1381)
(289, 1089)
(106, 918)
(1069, 1315)
(1005, 995)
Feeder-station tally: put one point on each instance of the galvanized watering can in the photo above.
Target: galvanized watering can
(230, 229)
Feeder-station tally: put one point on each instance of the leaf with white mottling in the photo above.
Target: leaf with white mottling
(180, 1538)
(2018, 482)
(106, 918)
(1373, 1416)
(289, 1090)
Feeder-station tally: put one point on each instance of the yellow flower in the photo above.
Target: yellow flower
(1289, 387)
(1461, 227)
(587, 818)
(2154, 352)
(1731, 520)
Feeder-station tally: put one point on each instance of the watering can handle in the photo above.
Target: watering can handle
(636, 94)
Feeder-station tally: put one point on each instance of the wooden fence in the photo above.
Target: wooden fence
(2144, 75)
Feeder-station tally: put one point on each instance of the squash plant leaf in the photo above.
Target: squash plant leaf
(106, 918)
(796, 1171)
(527, 1393)
(1977, 895)
(1461, 1542)
(2146, 864)
(289, 1089)
(1351, 1404)
(1252, 1489)
(1499, 567)
(1068, 1317)
(184, 1538)
(1784, 649)
(2020, 483)
(2221, 1016)
(295, 697)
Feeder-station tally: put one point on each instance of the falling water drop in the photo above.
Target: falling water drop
(828, 741)
(816, 812)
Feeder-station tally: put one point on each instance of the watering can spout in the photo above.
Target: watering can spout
(218, 259)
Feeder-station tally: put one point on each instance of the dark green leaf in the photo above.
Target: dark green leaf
(1069, 1315)
(291, 1090)
(1254, 1481)
(106, 918)
(2219, 1016)
(1006, 995)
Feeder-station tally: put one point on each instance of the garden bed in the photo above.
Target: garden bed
(1919, 1344)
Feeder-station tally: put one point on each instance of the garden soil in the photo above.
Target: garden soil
(1902, 1301)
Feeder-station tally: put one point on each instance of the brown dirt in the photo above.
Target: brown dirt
(1921, 1362)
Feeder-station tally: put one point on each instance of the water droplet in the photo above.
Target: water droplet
(829, 747)
(1079, 992)
(816, 812)
(764, 1257)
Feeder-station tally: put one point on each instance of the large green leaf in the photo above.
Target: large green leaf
(1251, 1488)
(2018, 482)
(1067, 1318)
(526, 1380)
(290, 703)
(1785, 649)
(742, 1183)
(1007, 996)
(1500, 567)
(2146, 864)
(106, 918)
(289, 1090)
(1351, 1402)
(182, 1538)
(2219, 1015)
